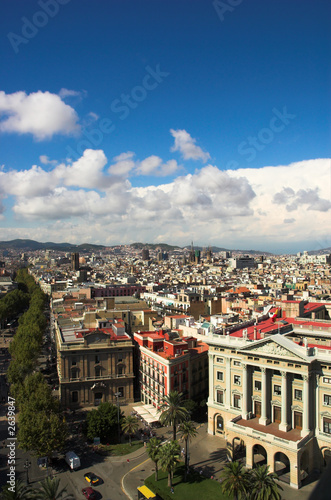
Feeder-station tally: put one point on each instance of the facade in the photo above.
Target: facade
(94, 365)
(167, 365)
(270, 393)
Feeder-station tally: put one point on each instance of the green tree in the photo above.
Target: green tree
(41, 432)
(153, 450)
(189, 431)
(263, 484)
(18, 492)
(173, 411)
(235, 480)
(169, 458)
(130, 425)
(102, 422)
(49, 489)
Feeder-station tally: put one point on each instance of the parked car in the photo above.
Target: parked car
(89, 493)
(91, 478)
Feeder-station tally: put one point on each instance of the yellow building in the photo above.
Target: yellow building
(270, 394)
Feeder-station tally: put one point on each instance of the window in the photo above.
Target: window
(120, 358)
(73, 362)
(121, 392)
(97, 371)
(97, 358)
(327, 425)
(327, 380)
(237, 363)
(237, 379)
(219, 397)
(257, 385)
(327, 400)
(219, 423)
(120, 370)
(219, 375)
(74, 373)
(298, 394)
(277, 390)
(236, 401)
(74, 397)
(219, 360)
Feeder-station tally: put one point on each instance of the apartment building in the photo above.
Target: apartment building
(94, 364)
(171, 364)
(270, 393)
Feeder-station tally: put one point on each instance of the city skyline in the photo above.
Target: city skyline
(136, 121)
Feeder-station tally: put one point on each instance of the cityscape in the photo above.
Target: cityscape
(244, 339)
(165, 250)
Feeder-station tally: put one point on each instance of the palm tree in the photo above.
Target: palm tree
(130, 425)
(49, 490)
(153, 450)
(188, 431)
(18, 492)
(235, 480)
(263, 484)
(169, 458)
(173, 411)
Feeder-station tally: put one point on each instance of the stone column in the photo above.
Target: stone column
(284, 426)
(244, 398)
(263, 420)
(305, 416)
(228, 382)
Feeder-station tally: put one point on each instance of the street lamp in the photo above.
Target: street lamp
(26, 466)
(117, 395)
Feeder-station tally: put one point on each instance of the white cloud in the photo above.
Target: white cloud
(41, 114)
(46, 161)
(68, 93)
(153, 165)
(123, 165)
(86, 172)
(185, 144)
(233, 209)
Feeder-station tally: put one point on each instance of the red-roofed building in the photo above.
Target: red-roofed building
(168, 364)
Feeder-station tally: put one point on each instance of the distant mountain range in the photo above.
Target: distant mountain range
(36, 245)
(31, 245)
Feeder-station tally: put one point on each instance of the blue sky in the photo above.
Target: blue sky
(144, 120)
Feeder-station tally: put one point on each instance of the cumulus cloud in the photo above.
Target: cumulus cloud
(233, 208)
(123, 165)
(293, 200)
(185, 144)
(86, 172)
(153, 165)
(41, 114)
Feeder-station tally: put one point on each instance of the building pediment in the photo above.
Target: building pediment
(276, 346)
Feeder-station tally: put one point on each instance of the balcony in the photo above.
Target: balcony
(103, 377)
(269, 433)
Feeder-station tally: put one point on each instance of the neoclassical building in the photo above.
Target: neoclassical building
(94, 365)
(270, 393)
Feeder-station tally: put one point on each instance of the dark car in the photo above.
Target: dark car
(91, 478)
(89, 493)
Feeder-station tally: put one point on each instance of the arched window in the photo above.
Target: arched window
(219, 423)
